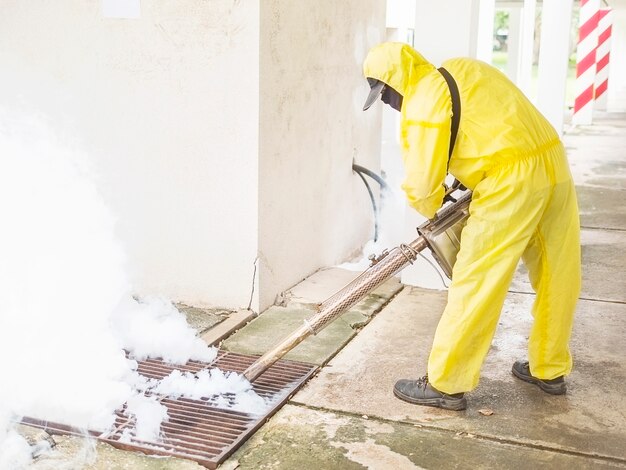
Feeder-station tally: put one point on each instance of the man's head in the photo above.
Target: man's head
(398, 67)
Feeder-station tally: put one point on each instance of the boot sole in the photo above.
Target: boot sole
(558, 389)
(454, 404)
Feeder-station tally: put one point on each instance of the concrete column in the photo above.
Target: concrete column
(520, 42)
(587, 44)
(313, 210)
(442, 29)
(527, 42)
(603, 54)
(400, 14)
(553, 57)
(486, 10)
(514, 44)
(616, 99)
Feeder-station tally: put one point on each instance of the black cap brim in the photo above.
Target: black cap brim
(375, 92)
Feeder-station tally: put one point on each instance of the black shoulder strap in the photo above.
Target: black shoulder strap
(456, 108)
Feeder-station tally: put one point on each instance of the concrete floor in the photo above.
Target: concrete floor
(346, 417)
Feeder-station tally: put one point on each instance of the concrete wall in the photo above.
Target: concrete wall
(446, 29)
(314, 211)
(400, 14)
(218, 131)
(165, 108)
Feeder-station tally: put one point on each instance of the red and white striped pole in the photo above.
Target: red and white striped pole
(603, 52)
(586, 61)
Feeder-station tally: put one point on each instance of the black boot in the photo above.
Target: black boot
(420, 392)
(557, 386)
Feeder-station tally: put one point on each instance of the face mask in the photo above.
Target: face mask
(392, 98)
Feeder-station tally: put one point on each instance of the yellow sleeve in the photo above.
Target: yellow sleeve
(425, 138)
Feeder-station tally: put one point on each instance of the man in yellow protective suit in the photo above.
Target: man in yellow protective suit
(523, 206)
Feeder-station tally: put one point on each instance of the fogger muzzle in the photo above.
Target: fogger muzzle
(444, 241)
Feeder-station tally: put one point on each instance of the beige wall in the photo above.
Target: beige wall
(218, 131)
(314, 211)
(165, 108)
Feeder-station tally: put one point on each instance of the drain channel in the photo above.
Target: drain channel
(197, 430)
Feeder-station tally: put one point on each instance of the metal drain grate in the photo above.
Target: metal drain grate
(197, 430)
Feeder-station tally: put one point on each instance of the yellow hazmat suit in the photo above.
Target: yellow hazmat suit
(523, 206)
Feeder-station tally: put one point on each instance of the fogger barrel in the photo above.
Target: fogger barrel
(382, 268)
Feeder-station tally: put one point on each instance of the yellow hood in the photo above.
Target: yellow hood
(397, 64)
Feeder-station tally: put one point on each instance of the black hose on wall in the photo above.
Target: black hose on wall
(361, 170)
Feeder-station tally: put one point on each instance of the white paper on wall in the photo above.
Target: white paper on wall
(121, 8)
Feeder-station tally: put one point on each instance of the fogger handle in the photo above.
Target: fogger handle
(334, 306)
